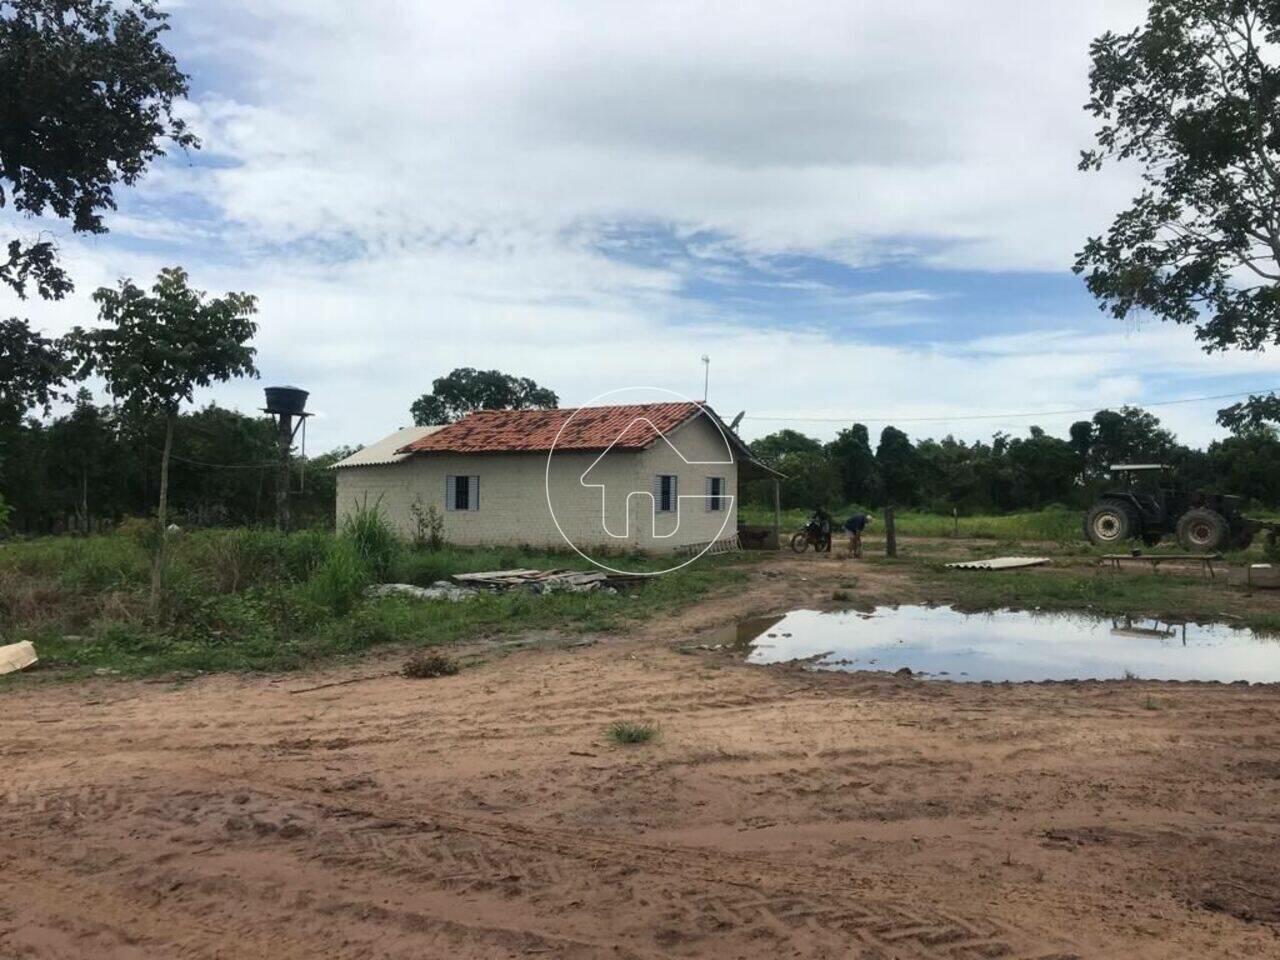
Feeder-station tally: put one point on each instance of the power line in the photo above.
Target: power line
(217, 466)
(852, 418)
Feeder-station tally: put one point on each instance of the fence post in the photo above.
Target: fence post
(890, 534)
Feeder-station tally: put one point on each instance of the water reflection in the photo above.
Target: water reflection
(1008, 645)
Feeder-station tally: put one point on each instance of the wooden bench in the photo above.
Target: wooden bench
(1155, 559)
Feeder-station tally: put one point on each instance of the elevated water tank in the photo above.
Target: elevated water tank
(286, 401)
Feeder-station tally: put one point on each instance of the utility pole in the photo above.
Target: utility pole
(706, 376)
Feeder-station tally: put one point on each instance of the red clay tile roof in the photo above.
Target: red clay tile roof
(527, 431)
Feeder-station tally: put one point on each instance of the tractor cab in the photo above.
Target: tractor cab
(1151, 488)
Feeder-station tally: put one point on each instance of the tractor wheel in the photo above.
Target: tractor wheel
(1110, 522)
(1201, 530)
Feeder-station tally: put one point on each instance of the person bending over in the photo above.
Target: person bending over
(854, 527)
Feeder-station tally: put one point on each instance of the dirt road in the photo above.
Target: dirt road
(780, 814)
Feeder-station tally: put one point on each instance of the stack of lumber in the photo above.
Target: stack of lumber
(539, 581)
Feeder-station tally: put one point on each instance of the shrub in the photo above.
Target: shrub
(94, 564)
(144, 531)
(339, 583)
(304, 552)
(631, 731)
(428, 525)
(376, 544)
(424, 665)
(237, 559)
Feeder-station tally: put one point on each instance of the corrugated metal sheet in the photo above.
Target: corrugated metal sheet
(387, 449)
(999, 563)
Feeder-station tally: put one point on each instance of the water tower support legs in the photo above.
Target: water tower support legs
(284, 438)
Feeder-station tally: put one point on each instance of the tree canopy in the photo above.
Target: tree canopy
(87, 92)
(466, 389)
(156, 347)
(1192, 96)
(32, 369)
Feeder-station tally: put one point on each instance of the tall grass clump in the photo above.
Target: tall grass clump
(631, 731)
(367, 530)
(340, 582)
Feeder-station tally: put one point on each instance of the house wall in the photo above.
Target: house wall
(513, 495)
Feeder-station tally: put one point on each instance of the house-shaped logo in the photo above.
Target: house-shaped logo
(662, 503)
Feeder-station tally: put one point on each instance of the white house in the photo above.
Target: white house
(656, 477)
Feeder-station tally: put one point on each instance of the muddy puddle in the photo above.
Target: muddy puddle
(943, 643)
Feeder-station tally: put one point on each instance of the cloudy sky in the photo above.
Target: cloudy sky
(857, 209)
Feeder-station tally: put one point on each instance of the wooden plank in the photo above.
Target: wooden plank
(17, 656)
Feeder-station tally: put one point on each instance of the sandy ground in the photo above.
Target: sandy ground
(781, 813)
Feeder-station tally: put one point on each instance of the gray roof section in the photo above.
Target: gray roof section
(384, 451)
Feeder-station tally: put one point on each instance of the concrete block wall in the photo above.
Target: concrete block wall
(513, 507)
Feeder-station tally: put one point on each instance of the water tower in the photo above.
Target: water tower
(288, 406)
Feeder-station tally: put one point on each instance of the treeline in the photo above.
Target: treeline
(1008, 472)
(97, 464)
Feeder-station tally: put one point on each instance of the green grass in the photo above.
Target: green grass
(1164, 596)
(1054, 523)
(626, 732)
(261, 600)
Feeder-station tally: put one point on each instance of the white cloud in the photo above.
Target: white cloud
(413, 187)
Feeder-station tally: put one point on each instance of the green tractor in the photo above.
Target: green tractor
(1151, 505)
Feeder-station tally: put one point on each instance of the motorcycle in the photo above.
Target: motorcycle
(814, 534)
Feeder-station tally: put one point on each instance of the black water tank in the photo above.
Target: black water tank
(286, 400)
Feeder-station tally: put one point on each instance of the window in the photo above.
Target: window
(715, 494)
(461, 493)
(665, 496)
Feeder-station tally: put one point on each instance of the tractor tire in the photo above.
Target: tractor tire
(1110, 523)
(1201, 530)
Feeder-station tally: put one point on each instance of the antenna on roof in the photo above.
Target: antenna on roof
(737, 420)
(706, 376)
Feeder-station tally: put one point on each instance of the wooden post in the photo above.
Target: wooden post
(777, 514)
(284, 440)
(890, 534)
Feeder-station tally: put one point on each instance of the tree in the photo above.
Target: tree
(1193, 97)
(899, 466)
(156, 349)
(851, 452)
(78, 446)
(467, 389)
(32, 368)
(772, 448)
(809, 480)
(86, 98)
(1045, 468)
(1248, 463)
(1130, 435)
